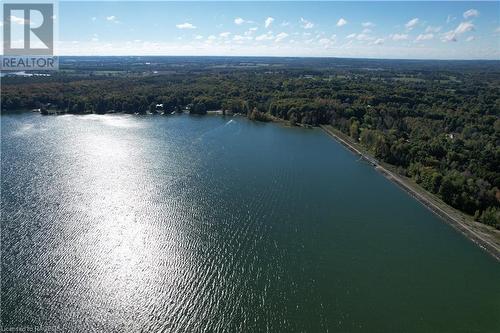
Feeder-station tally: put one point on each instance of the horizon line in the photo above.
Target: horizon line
(276, 56)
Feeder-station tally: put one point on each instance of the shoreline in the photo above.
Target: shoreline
(487, 238)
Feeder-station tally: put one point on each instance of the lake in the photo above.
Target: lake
(121, 223)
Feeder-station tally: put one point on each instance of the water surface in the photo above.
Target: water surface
(122, 223)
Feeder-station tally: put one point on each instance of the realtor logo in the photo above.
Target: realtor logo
(43, 30)
(28, 36)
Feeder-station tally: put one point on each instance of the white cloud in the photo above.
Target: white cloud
(266, 36)
(398, 37)
(306, 24)
(431, 29)
(471, 13)
(412, 23)
(250, 31)
(450, 19)
(198, 37)
(470, 39)
(368, 24)
(364, 37)
(268, 22)
(341, 22)
(93, 18)
(451, 36)
(464, 27)
(379, 41)
(422, 37)
(240, 39)
(225, 34)
(327, 42)
(112, 18)
(367, 31)
(185, 25)
(281, 36)
(18, 20)
(285, 24)
(239, 21)
(349, 48)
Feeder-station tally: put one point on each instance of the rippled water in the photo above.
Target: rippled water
(188, 224)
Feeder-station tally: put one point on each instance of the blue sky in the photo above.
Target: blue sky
(396, 29)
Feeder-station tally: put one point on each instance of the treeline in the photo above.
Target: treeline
(440, 128)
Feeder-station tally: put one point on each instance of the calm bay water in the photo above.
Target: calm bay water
(188, 224)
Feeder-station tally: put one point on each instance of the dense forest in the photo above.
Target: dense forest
(437, 122)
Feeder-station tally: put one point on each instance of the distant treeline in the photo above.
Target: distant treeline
(442, 128)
